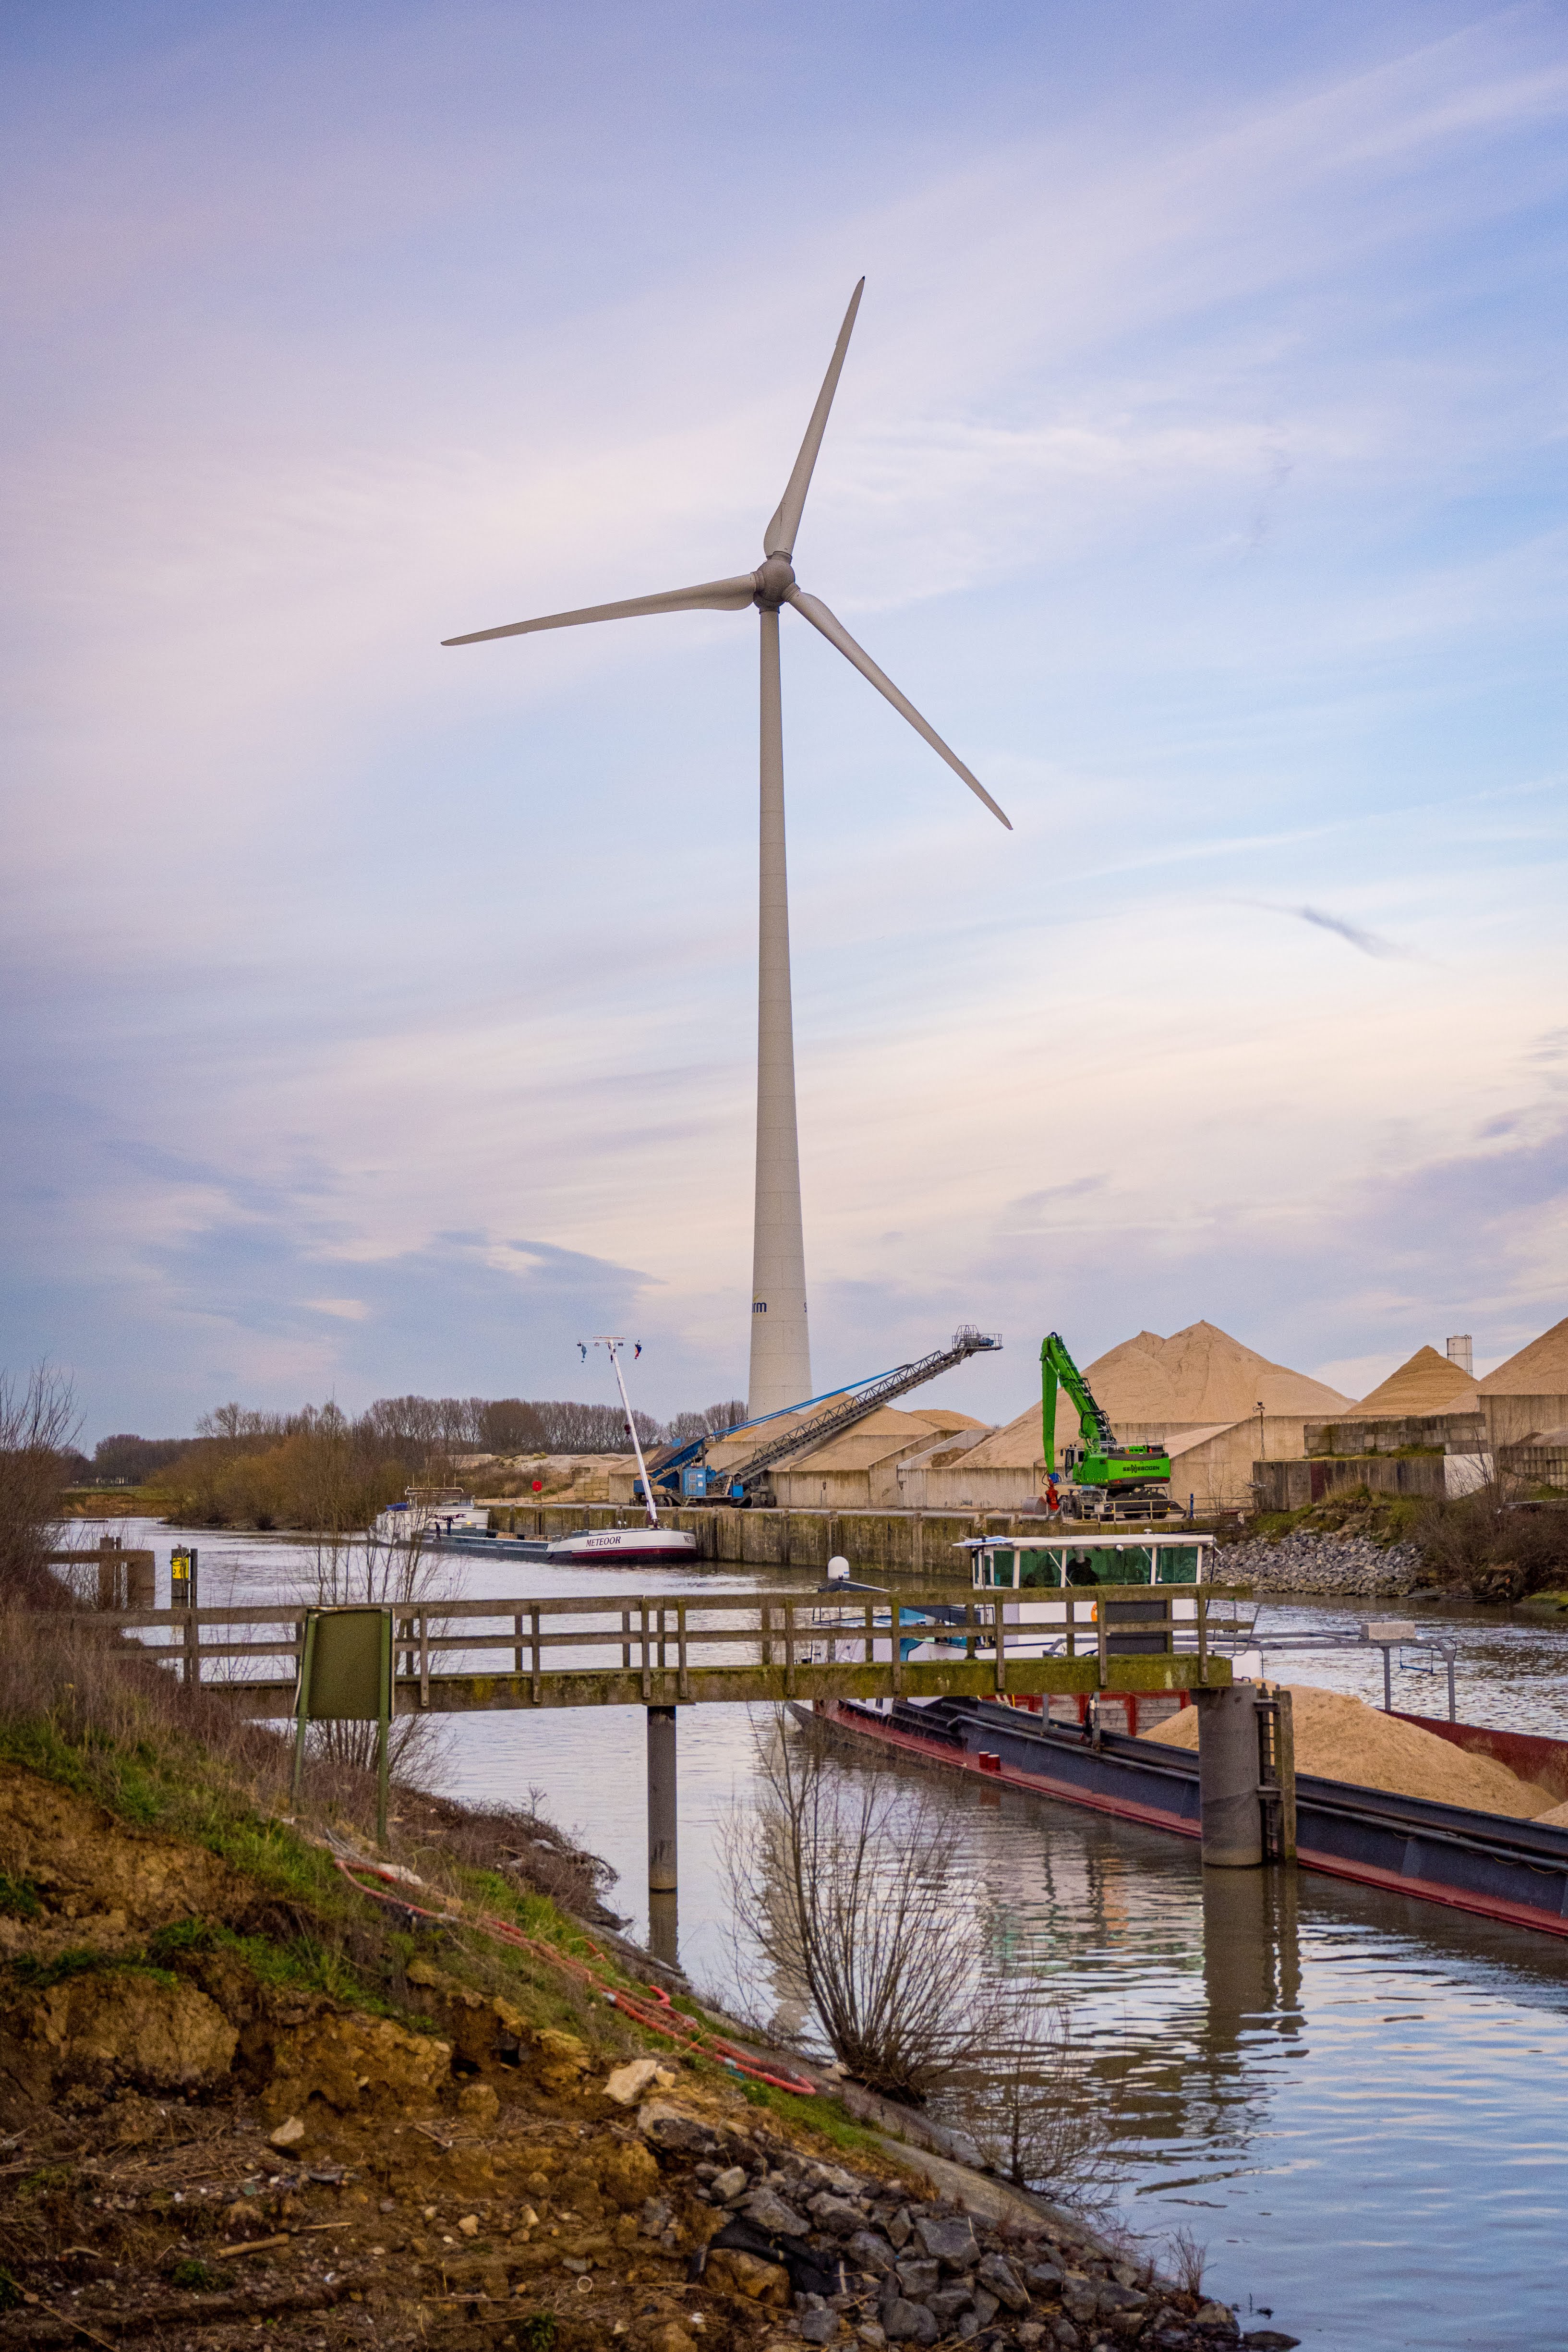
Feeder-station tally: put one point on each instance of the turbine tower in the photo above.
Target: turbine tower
(780, 1346)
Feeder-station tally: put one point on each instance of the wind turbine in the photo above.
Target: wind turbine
(780, 1347)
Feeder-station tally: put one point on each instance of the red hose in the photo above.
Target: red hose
(652, 2008)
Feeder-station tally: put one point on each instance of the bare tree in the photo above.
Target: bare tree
(847, 1886)
(1030, 2107)
(39, 1426)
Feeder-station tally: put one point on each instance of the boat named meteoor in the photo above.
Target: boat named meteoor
(609, 1547)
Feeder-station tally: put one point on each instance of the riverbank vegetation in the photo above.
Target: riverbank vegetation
(318, 1469)
(1499, 1543)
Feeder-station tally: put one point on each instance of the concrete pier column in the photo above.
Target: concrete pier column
(1228, 1777)
(662, 1800)
(664, 1928)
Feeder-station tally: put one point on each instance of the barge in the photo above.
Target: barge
(1069, 1751)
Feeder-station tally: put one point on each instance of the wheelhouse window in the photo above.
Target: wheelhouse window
(1178, 1563)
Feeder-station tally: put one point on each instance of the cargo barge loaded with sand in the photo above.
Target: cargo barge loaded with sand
(1455, 1814)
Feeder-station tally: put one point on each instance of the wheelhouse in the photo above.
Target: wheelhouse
(1066, 1563)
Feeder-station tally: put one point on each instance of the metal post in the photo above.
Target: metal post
(302, 1702)
(1452, 1718)
(1387, 1680)
(662, 1842)
(1228, 1777)
(384, 1742)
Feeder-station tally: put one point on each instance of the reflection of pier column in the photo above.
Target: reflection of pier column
(1251, 1955)
(662, 1800)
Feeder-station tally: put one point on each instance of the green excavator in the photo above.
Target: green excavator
(1105, 1481)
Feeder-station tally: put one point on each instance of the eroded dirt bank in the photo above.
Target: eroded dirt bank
(224, 2110)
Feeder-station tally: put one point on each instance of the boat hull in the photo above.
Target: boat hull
(1489, 1863)
(610, 1546)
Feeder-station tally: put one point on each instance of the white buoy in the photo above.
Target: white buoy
(838, 1569)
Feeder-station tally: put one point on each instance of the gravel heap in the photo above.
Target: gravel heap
(853, 2261)
(1349, 1567)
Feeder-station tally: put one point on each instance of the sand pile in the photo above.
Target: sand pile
(1202, 1374)
(1539, 1369)
(1343, 1739)
(1428, 1383)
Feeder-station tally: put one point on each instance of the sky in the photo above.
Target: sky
(380, 1017)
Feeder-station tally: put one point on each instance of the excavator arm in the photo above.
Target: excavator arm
(1057, 1370)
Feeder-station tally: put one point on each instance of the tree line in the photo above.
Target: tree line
(418, 1431)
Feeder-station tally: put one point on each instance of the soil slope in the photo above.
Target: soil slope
(215, 2123)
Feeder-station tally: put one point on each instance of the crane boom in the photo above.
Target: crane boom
(838, 1414)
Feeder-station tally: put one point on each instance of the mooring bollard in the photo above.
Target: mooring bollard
(662, 1800)
(1228, 1777)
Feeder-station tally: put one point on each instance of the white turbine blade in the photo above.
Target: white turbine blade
(779, 537)
(711, 597)
(817, 613)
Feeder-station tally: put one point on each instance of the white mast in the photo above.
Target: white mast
(615, 1345)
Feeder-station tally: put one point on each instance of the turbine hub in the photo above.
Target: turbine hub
(774, 583)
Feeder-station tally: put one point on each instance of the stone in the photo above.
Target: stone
(728, 2186)
(676, 2128)
(819, 2326)
(671, 2338)
(1030, 2334)
(901, 2229)
(628, 2174)
(477, 2104)
(288, 2134)
(654, 2218)
(836, 2215)
(871, 2334)
(469, 2225)
(627, 2083)
(1045, 2276)
(948, 2302)
(831, 2177)
(730, 2271)
(1270, 2339)
(769, 2211)
(1216, 2314)
(1117, 2298)
(869, 2250)
(998, 2273)
(918, 2279)
(563, 2061)
(1066, 2334)
(985, 2306)
(908, 2323)
(950, 2241)
(1081, 2297)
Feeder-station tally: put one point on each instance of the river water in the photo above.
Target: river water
(1355, 2101)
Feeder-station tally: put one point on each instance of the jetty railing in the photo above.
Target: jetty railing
(666, 1650)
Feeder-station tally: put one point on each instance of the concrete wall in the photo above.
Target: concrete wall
(1292, 1486)
(893, 1543)
(1448, 1433)
(1514, 1420)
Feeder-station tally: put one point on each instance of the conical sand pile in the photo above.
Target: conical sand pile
(1428, 1383)
(1202, 1374)
(1539, 1369)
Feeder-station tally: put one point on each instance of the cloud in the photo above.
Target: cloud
(1369, 943)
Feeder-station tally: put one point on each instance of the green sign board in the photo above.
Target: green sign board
(346, 1676)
